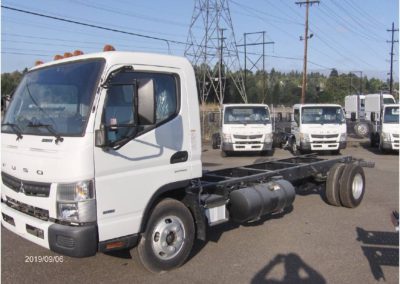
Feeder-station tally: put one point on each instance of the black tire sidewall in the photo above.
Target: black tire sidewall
(333, 184)
(346, 193)
(167, 207)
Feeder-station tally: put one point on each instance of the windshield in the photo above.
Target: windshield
(391, 115)
(322, 115)
(387, 101)
(58, 97)
(246, 115)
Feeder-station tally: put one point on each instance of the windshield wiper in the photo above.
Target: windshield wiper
(50, 128)
(16, 129)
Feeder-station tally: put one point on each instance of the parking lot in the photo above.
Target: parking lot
(312, 243)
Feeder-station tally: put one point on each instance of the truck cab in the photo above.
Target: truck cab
(374, 104)
(386, 128)
(351, 109)
(246, 127)
(82, 136)
(318, 127)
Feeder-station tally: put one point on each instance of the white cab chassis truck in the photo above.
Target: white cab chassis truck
(102, 152)
(354, 106)
(246, 127)
(386, 129)
(317, 127)
(374, 104)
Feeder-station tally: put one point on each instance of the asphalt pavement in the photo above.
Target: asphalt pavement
(313, 243)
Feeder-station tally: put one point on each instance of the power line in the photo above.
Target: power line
(167, 41)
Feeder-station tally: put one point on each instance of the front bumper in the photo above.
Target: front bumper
(312, 146)
(75, 241)
(266, 146)
(390, 145)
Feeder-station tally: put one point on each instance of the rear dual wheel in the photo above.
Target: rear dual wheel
(345, 185)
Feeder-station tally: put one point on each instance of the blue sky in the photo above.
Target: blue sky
(349, 35)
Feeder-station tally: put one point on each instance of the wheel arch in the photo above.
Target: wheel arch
(178, 191)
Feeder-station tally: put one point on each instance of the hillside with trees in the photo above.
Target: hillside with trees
(281, 88)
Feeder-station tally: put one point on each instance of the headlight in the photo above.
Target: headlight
(268, 137)
(227, 138)
(386, 137)
(76, 202)
(304, 137)
(343, 137)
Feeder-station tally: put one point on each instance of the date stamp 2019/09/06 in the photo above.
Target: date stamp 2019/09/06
(44, 259)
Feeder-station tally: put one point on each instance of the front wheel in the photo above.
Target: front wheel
(168, 238)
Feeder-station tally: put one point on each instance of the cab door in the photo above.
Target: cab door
(126, 178)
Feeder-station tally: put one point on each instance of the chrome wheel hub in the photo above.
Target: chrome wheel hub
(168, 237)
(357, 186)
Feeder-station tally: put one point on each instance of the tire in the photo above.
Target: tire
(372, 140)
(332, 190)
(225, 154)
(361, 129)
(352, 186)
(294, 149)
(168, 238)
(216, 141)
(381, 149)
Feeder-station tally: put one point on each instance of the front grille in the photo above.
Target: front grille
(248, 142)
(28, 209)
(324, 136)
(247, 136)
(31, 188)
(324, 142)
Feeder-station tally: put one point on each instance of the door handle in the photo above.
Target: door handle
(179, 157)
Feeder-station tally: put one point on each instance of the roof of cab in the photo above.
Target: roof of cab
(125, 57)
(316, 105)
(245, 105)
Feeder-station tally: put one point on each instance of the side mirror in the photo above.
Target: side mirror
(353, 116)
(146, 102)
(373, 116)
(100, 137)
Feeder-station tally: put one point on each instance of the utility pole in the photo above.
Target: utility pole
(254, 61)
(391, 57)
(220, 66)
(306, 37)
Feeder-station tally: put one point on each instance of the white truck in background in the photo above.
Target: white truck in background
(386, 129)
(245, 128)
(374, 104)
(102, 152)
(317, 127)
(354, 107)
(352, 111)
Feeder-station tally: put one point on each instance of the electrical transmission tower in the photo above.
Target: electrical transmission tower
(254, 59)
(211, 48)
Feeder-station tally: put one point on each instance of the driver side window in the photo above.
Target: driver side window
(119, 111)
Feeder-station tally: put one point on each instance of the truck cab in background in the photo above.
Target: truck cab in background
(386, 130)
(354, 106)
(374, 104)
(246, 127)
(318, 127)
